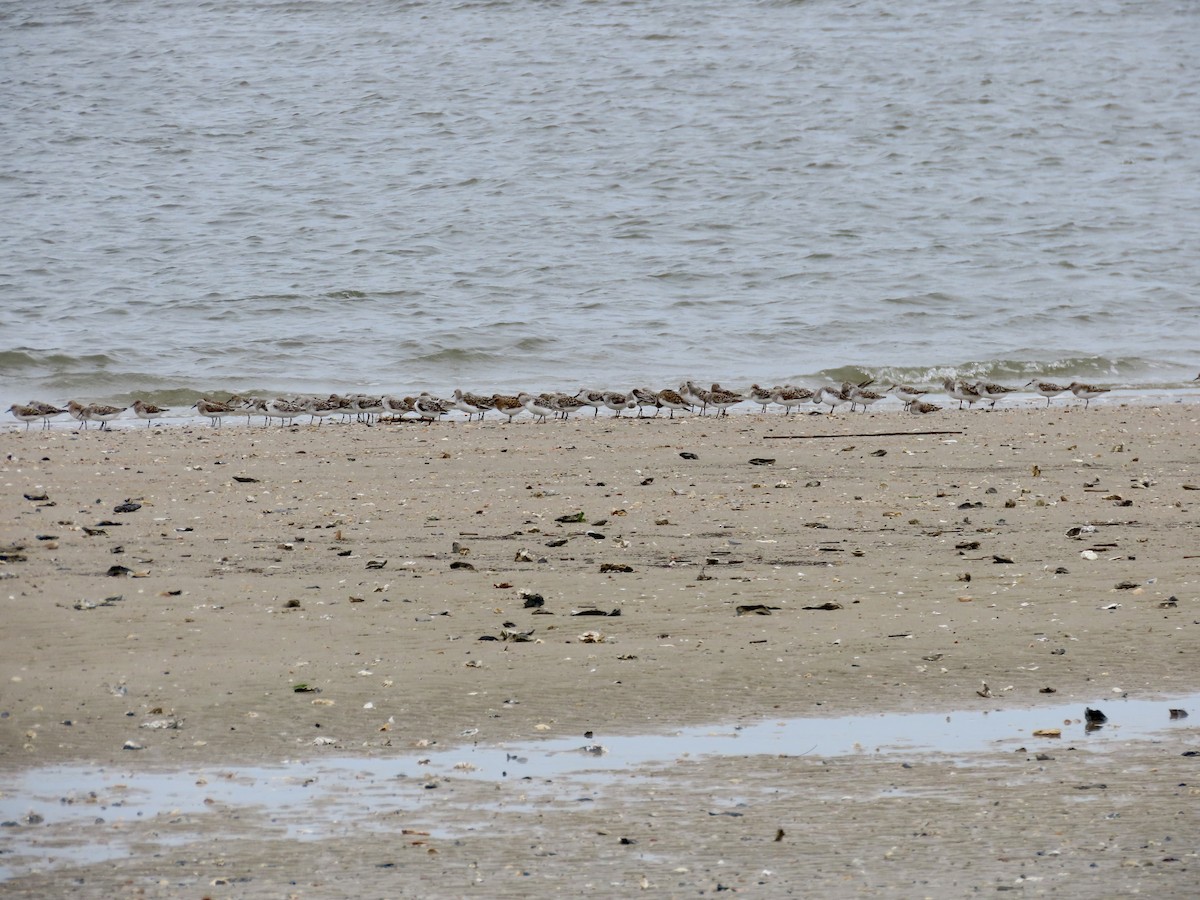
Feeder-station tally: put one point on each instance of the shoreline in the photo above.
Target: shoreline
(1115, 398)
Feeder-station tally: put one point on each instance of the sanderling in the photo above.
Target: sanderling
(46, 410)
(722, 399)
(698, 396)
(673, 400)
(369, 407)
(320, 407)
(921, 408)
(1086, 392)
(431, 408)
(103, 414)
(565, 404)
(398, 407)
(830, 395)
(508, 405)
(861, 395)
(618, 401)
(471, 403)
(536, 406)
(286, 410)
(26, 414)
(213, 409)
(789, 397)
(148, 411)
(646, 399)
(690, 397)
(762, 396)
(594, 399)
(960, 391)
(907, 393)
(76, 411)
(991, 391)
(1047, 389)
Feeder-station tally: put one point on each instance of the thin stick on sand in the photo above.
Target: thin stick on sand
(804, 437)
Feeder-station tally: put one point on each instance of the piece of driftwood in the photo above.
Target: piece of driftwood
(797, 437)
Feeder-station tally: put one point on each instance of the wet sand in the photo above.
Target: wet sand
(366, 564)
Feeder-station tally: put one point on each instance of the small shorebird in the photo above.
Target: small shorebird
(1047, 389)
(398, 407)
(369, 407)
(646, 399)
(993, 392)
(921, 408)
(537, 406)
(471, 404)
(907, 393)
(832, 396)
(697, 396)
(723, 399)
(789, 397)
(565, 404)
(26, 414)
(960, 391)
(76, 410)
(285, 410)
(673, 400)
(762, 396)
(319, 408)
(618, 401)
(594, 399)
(46, 411)
(1086, 392)
(148, 411)
(103, 414)
(508, 405)
(861, 395)
(213, 409)
(431, 408)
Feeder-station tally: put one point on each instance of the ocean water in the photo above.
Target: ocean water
(298, 195)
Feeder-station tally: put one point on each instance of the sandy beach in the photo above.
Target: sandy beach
(194, 600)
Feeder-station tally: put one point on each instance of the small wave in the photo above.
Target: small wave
(452, 356)
(1100, 369)
(23, 362)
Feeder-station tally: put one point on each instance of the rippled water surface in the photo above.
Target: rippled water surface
(314, 195)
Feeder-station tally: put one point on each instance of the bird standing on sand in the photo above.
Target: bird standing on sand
(646, 399)
(907, 393)
(1047, 389)
(991, 391)
(723, 399)
(102, 414)
(507, 404)
(148, 411)
(789, 397)
(761, 396)
(861, 395)
(213, 409)
(594, 399)
(24, 414)
(673, 400)
(471, 404)
(537, 406)
(832, 396)
(1086, 392)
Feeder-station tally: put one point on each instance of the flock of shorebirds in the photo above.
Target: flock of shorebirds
(689, 397)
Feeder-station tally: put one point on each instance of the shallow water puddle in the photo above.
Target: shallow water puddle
(71, 815)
